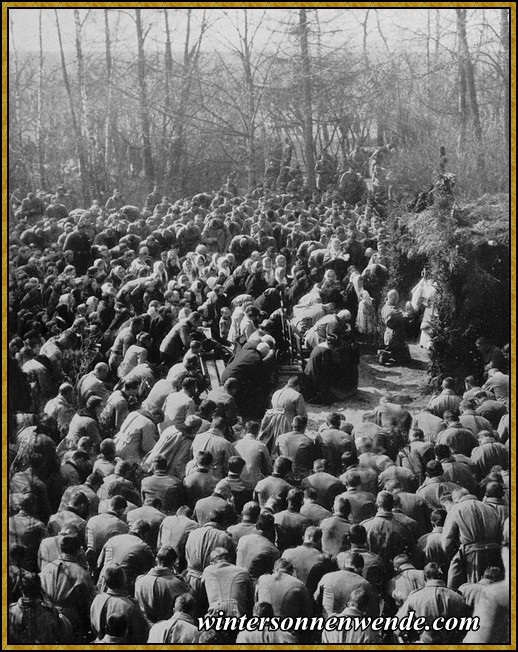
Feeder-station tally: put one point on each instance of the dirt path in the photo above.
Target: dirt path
(404, 384)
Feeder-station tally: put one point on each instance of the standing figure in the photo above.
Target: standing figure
(287, 403)
(423, 294)
(395, 321)
(366, 318)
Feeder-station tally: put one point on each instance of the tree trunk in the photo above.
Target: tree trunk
(322, 113)
(467, 64)
(437, 32)
(16, 115)
(40, 137)
(190, 59)
(168, 72)
(81, 154)
(177, 163)
(307, 103)
(109, 100)
(428, 53)
(463, 111)
(145, 123)
(84, 116)
(250, 107)
(364, 40)
(504, 37)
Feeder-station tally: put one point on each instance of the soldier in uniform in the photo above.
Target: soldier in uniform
(68, 586)
(433, 601)
(116, 601)
(32, 621)
(471, 538)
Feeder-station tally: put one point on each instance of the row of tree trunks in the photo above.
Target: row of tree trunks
(145, 125)
(80, 145)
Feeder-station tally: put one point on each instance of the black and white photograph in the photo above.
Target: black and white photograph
(258, 321)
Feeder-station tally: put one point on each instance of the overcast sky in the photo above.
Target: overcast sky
(398, 26)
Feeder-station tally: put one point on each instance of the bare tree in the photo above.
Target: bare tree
(466, 66)
(145, 123)
(463, 109)
(191, 55)
(84, 113)
(307, 99)
(16, 114)
(40, 136)
(109, 98)
(80, 147)
(504, 38)
(245, 84)
(168, 73)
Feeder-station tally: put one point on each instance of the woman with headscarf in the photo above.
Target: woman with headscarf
(160, 273)
(330, 289)
(184, 282)
(223, 267)
(197, 291)
(280, 261)
(189, 270)
(335, 258)
(172, 264)
(91, 305)
(200, 263)
(268, 270)
(212, 263)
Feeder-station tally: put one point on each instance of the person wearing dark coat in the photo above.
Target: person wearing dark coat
(250, 369)
(332, 370)
(256, 283)
(79, 243)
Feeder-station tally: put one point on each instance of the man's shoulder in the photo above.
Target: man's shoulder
(123, 539)
(208, 500)
(161, 480)
(253, 536)
(98, 519)
(373, 520)
(286, 515)
(293, 583)
(332, 520)
(250, 443)
(333, 577)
